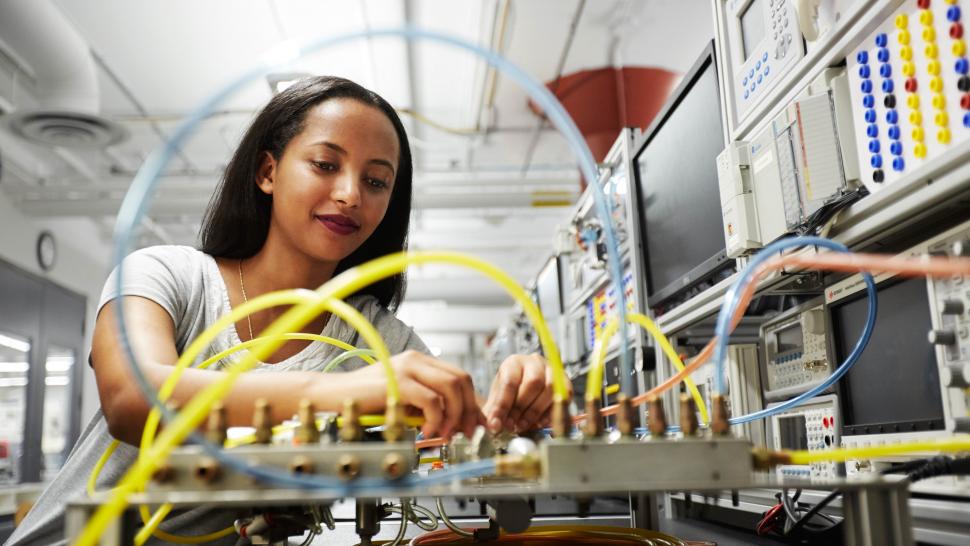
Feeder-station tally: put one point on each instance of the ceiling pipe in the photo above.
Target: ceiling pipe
(66, 80)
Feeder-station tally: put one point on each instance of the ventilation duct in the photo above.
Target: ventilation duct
(66, 80)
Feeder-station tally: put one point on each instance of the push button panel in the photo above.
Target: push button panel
(779, 50)
(910, 86)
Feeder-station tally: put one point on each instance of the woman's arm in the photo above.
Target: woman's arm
(442, 392)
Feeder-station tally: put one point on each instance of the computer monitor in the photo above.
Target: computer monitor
(676, 176)
(895, 385)
(548, 290)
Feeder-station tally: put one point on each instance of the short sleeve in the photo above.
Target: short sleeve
(156, 273)
(398, 336)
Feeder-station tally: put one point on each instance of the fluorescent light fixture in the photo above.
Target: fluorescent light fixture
(60, 363)
(14, 343)
(14, 367)
(13, 382)
(59, 381)
(280, 81)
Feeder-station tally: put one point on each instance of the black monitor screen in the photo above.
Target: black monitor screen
(677, 177)
(548, 290)
(895, 385)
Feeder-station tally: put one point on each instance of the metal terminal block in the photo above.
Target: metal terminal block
(348, 461)
(686, 464)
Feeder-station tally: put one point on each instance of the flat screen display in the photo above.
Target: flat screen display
(548, 291)
(895, 385)
(792, 433)
(752, 27)
(789, 338)
(677, 181)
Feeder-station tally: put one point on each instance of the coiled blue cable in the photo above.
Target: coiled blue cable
(143, 186)
(732, 300)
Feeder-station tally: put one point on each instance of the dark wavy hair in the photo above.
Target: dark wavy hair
(237, 219)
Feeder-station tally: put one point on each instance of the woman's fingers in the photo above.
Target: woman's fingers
(470, 416)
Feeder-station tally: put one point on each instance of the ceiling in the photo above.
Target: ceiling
(483, 165)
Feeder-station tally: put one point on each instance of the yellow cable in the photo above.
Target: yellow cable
(154, 520)
(96, 471)
(951, 445)
(352, 280)
(339, 308)
(146, 517)
(341, 286)
(594, 379)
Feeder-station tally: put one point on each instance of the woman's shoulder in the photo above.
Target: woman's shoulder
(171, 253)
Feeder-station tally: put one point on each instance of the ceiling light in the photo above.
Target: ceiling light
(279, 82)
(15, 343)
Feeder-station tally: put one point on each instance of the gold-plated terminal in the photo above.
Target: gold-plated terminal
(719, 418)
(208, 470)
(216, 427)
(656, 417)
(593, 427)
(624, 415)
(351, 431)
(163, 474)
(302, 464)
(306, 432)
(688, 416)
(562, 423)
(394, 466)
(348, 466)
(263, 422)
(765, 459)
(525, 467)
(394, 423)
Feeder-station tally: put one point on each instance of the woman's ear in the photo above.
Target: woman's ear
(266, 173)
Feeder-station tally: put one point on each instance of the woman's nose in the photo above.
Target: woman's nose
(345, 190)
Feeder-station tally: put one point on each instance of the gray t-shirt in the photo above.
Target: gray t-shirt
(188, 285)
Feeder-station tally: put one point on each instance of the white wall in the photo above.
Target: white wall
(74, 270)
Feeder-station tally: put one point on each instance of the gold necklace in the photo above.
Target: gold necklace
(242, 285)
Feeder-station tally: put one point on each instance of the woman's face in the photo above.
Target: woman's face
(332, 184)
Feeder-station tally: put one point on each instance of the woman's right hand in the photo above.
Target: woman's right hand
(442, 392)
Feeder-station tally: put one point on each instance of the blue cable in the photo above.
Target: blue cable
(142, 189)
(732, 299)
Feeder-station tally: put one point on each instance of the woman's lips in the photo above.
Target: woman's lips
(341, 225)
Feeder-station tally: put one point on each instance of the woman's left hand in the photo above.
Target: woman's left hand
(521, 395)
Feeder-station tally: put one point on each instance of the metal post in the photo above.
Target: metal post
(878, 515)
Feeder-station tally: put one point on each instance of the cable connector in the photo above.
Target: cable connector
(524, 467)
(765, 459)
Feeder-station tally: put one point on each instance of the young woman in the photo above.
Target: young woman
(321, 182)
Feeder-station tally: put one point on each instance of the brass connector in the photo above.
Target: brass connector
(163, 474)
(263, 421)
(720, 425)
(306, 432)
(765, 459)
(351, 430)
(301, 464)
(656, 417)
(525, 467)
(394, 466)
(217, 425)
(394, 423)
(593, 427)
(562, 422)
(348, 466)
(688, 416)
(624, 415)
(208, 470)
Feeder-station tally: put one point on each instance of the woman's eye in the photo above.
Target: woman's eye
(376, 183)
(325, 165)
